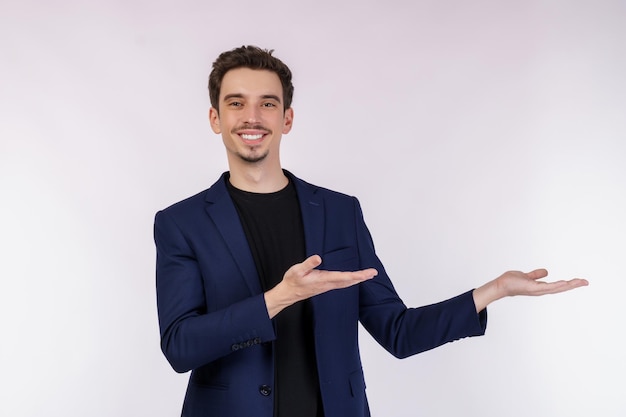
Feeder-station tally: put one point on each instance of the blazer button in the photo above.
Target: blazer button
(265, 390)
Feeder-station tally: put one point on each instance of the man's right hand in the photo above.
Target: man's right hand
(303, 281)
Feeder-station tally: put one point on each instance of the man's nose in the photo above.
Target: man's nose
(252, 114)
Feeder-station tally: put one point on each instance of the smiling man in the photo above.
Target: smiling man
(263, 278)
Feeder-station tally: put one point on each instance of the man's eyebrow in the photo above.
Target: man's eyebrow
(271, 97)
(264, 96)
(234, 95)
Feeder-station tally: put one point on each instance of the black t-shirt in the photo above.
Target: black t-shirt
(273, 226)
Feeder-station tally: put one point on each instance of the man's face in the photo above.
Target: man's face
(251, 117)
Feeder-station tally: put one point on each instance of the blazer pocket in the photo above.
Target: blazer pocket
(210, 385)
(340, 259)
(209, 377)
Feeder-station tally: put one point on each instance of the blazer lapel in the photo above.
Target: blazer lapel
(312, 208)
(222, 211)
(313, 219)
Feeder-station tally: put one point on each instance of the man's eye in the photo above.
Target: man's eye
(269, 105)
(235, 104)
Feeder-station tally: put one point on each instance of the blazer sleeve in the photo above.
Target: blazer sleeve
(191, 334)
(406, 331)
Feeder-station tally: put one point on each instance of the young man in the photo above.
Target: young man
(263, 278)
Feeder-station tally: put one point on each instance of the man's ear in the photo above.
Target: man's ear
(288, 121)
(214, 119)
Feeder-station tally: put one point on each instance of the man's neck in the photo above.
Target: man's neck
(258, 180)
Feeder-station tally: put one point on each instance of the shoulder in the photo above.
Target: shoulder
(305, 187)
(186, 204)
(198, 201)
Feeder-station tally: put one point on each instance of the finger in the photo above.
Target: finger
(363, 274)
(309, 264)
(561, 286)
(537, 274)
(551, 287)
(345, 279)
(580, 282)
(369, 272)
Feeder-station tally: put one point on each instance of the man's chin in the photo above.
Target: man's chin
(253, 158)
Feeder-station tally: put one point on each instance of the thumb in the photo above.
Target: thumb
(537, 274)
(310, 263)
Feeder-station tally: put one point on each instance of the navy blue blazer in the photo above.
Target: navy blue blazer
(213, 320)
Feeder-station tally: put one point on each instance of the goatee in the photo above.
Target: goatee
(253, 157)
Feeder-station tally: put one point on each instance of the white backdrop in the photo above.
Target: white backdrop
(479, 136)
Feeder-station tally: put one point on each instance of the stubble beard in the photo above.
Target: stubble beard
(253, 157)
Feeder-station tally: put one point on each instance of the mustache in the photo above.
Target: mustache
(251, 126)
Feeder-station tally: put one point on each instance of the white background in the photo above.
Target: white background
(479, 136)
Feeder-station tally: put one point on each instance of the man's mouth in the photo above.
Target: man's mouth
(245, 136)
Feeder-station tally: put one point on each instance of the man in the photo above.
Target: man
(263, 278)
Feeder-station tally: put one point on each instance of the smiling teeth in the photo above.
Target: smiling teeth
(251, 137)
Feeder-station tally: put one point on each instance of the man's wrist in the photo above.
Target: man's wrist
(275, 302)
(486, 294)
